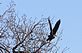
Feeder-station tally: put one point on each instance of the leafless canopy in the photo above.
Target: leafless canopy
(24, 34)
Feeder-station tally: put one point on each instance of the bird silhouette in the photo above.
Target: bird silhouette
(54, 30)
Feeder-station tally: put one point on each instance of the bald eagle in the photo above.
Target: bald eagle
(54, 30)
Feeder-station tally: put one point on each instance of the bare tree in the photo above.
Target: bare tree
(24, 34)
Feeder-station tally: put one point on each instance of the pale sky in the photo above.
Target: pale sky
(69, 11)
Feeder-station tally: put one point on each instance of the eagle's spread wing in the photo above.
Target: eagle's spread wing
(50, 25)
(56, 27)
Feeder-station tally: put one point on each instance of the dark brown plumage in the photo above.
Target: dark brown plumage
(54, 30)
